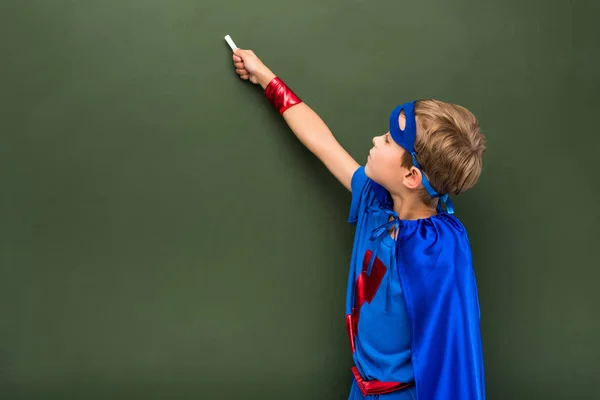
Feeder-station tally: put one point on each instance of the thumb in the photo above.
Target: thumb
(241, 52)
(244, 53)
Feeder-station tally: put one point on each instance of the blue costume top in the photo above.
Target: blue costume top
(412, 307)
(382, 345)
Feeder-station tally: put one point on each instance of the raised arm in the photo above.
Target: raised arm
(306, 124)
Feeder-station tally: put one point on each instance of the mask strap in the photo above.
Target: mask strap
(443, 199)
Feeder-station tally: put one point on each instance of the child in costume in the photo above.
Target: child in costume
(412, 308)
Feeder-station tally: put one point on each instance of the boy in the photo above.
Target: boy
(412, 310)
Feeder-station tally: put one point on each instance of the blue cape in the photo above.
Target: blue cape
(434, 264)
(440, 293)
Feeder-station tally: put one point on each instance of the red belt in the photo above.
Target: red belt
(377, 387)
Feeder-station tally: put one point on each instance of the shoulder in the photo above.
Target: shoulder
(357, 187)
(442, 231)
(437, 243)
(363, 194)
(441, 221)
(359, 180)
(450, 222)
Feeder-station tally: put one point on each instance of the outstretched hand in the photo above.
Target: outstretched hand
(249, 67)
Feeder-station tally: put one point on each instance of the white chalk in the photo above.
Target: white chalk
(230, 43)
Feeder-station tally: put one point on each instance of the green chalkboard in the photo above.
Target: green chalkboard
(163, 235)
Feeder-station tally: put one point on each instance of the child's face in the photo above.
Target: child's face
(384, 164)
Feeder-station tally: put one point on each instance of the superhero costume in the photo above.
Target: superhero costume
(412, 309)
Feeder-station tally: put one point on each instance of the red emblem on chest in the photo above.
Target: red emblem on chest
(366, 288)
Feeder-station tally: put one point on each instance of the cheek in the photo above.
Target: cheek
(386, 159)
(378, 165)
(390, 163)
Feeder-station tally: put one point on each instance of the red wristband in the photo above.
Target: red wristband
(280, 95)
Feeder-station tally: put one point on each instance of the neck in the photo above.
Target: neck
(412, 208)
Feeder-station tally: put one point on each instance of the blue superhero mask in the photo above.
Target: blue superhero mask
(406, 139)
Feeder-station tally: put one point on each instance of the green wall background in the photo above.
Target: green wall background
(164, 236)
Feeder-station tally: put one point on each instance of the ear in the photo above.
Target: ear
(413, 177)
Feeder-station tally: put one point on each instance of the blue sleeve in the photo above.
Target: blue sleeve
(358, 183)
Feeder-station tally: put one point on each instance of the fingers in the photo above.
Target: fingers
(238, 61)
(243, 73)
(240, 53)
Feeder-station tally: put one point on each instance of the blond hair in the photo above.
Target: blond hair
(449, 147)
